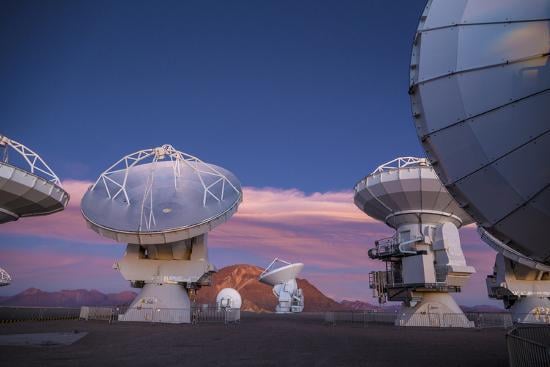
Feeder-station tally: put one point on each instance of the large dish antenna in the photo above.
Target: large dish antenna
(162, 202)
(160, 195)
(424, 257)
(480, 91)
(28, 186)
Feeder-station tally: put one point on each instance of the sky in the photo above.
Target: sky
(299, 99)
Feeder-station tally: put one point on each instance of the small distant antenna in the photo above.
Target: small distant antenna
(229, 298)
(5, 278)
(285, 287)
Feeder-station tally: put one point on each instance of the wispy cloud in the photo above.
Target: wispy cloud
(324, 230)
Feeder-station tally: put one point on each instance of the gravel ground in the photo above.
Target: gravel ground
(266, 340)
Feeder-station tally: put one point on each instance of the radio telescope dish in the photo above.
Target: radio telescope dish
(162, 202)
(5, 278)
(480, 96)
(28, 189)
(229, 297)
(285, 287)
(407, 190)
(424, 257)
(479, 87)
(282, 274)
(160, 195)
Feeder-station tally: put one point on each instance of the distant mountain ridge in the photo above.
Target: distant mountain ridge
(257, 297)
(34, 297)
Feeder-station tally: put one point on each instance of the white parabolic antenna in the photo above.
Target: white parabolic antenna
(229, 297)
(5, 278)
(159, 196)
(162, 202)
(282, 274)
(480, 92)
(30, 189)
(285, 287)
(424, 257)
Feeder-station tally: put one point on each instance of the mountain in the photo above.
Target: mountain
(258, 297)
(33, 297)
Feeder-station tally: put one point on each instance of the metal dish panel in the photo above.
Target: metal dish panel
(174, 208)
(282, 274)
(405, 189)
(25, 194)
(442, 13)
(484, 124)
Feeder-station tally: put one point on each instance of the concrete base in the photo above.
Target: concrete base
(531, 310)
(167, 303)
(434, 310)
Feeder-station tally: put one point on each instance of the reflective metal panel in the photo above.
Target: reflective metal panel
(161, 201)
(410, 186)
(282, 274)
(480, 92)
(28, 186)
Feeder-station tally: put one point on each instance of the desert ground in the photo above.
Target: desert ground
(259, 340)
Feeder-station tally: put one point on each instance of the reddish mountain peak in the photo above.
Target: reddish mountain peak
(258, 297)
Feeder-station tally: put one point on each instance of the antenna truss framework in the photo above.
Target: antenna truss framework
(166, 152)
(36, 163)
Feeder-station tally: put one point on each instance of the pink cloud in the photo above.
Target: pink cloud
(65, 225)
(324, 230)
(55, 269)
(260, 206)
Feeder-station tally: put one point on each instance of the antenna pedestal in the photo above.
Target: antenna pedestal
(165, 272)
(168, 303)
(291, 298)
(433, 310)
(524, 291)
(425, 262)
(162, 202)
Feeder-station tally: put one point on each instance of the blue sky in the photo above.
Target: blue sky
(309, 95)
(294, 97)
